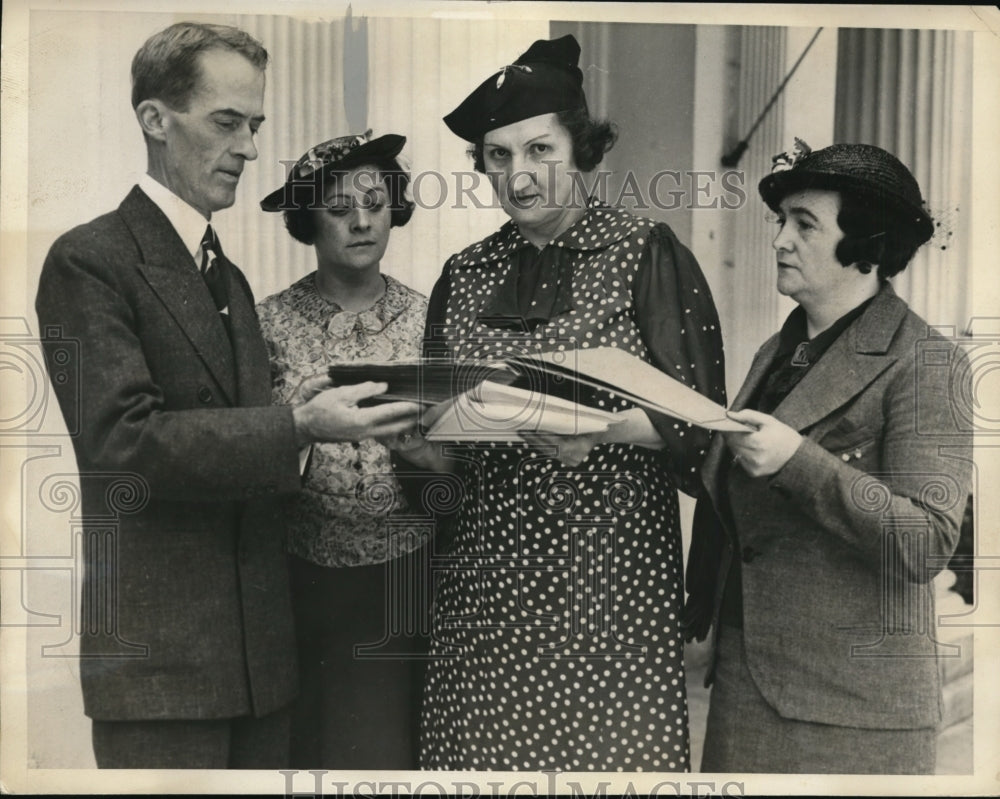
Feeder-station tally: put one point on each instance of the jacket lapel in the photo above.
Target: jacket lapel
(253, 366)
(853, 361)
(172, 274)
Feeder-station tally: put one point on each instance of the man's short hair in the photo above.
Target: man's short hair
(166, 66)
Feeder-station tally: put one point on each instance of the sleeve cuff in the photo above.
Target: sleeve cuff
(803, 473)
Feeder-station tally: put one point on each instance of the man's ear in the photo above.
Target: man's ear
(152, 116)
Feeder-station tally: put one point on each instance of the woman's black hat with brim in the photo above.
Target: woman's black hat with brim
(324, 160)
(865, 171)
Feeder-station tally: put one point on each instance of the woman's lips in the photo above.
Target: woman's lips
(523, 200)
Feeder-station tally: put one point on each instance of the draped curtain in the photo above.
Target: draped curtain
(90, 114)
(304, 104)
(910, 92)
(419, 70)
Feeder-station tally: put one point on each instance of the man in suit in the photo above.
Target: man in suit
(188, 651)
(830, 516)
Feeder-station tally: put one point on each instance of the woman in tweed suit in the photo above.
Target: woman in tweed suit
(829, 520)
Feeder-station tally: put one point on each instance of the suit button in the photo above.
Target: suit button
(749, 553)
(205, 394)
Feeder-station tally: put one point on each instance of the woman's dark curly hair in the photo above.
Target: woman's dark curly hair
(301, 223)
(874, 235)
(591, 138)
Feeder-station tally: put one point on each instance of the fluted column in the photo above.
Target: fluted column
(754, 310)
(910, 91)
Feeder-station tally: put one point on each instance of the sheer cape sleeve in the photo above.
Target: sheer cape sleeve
(435, 342)
(680, 327)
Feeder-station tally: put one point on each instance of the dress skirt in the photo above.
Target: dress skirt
(555, 626)
(746, 735)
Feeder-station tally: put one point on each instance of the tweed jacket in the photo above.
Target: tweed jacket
(185, 601)
(839, 546)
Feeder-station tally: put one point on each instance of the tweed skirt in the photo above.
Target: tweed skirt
(746, 735)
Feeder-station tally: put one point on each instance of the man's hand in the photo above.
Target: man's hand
(763, 451)
(333, 415)
(310, 387)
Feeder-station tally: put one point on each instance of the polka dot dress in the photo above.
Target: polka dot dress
(557, 603)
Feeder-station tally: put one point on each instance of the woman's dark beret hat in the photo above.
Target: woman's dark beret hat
(862, 170)
(324, 160)
(545, 79)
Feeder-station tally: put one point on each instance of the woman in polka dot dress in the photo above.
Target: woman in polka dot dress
(557, 599)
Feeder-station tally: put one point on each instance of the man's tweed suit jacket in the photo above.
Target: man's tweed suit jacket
(185, 600)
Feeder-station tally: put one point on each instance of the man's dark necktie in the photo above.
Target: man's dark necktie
(213, 269)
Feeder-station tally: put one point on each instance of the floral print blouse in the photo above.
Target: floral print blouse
(340, 518)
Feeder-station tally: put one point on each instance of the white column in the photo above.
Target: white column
(910, 91)
(755, 311)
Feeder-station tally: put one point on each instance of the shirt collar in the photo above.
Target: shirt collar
(186, 220)
(794, 331)
(304, 297)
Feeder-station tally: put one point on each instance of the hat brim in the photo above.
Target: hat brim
(775, 187)
(384, 148)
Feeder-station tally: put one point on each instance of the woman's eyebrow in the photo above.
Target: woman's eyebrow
(487, 143)
(802, 210)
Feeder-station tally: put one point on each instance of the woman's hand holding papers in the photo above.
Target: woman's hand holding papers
(634, 427)
(412, 446)
(763, 451)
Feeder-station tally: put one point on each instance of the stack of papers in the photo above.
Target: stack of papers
(495, 412)
(495, 401)
(617, 372)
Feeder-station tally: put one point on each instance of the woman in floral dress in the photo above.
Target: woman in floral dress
(354, 712)
(556, 612)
